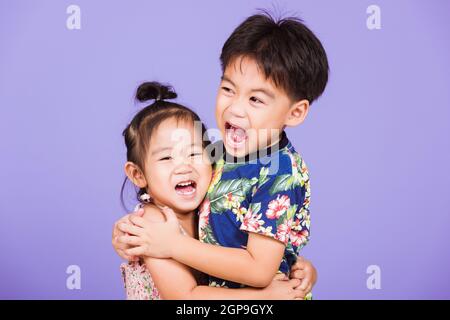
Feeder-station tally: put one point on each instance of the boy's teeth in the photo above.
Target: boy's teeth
(236, 134)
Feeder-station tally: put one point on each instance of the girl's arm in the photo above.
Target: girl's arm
(175, 281)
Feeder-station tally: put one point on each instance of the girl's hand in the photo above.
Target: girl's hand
(152, 239)
(305, 272)
(120, 247)
(281, 288)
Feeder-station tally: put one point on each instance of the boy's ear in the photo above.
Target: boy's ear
(297, 113)
(135, 174)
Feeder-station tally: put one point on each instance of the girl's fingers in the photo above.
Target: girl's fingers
(136, 251)
(280, 276)
(309, 288)
(299, 264)
(299, 294)
(298, 274)
(294, 283)
(131, 229)
(306, 281)
(130, 240)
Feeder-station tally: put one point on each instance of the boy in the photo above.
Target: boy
(256, 212)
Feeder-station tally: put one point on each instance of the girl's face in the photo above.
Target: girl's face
(177, 168)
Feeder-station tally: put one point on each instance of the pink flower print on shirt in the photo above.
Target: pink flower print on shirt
(278, 207)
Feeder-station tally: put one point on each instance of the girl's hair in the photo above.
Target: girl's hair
(138, 132)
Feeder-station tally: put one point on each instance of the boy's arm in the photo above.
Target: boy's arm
(254, 266)
(175, 280)
(273, 219)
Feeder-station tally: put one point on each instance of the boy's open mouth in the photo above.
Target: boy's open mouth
(186, 188)
(235, 135)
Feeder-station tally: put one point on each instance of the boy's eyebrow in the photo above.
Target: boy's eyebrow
(266, 92)
(225, 78)
(262, 90)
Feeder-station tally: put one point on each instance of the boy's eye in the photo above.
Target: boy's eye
(256, 100)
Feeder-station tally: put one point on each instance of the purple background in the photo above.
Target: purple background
(376, 143)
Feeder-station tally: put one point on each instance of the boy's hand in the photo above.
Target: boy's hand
(305, 272)
(152, 239)
(121, 247)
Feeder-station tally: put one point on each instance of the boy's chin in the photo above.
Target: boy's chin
(239, 152)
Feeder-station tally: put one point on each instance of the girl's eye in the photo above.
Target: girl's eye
(227, 90)
(165, 158)
(256, 100)
(195, 154)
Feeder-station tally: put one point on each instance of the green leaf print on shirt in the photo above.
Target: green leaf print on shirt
(255, 207)
(284, 182)
(208, 235)
(231, 166)
(228, 194)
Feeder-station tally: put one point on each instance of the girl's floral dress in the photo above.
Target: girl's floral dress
(138, 281)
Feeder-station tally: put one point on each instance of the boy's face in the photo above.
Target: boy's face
(250, 111)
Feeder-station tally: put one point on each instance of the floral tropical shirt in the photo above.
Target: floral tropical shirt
(268, 195)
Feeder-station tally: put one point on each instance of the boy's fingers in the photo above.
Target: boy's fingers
(120, 245)
(137, 221)
(139, 213)
(123, 255)
(130, 240)
(133, 230)
(136, 251)
(170, 214)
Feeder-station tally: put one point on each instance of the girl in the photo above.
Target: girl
(168, 162)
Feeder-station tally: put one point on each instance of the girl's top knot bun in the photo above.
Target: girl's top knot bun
(155, 91)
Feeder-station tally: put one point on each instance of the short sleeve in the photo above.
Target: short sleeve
(276, 208)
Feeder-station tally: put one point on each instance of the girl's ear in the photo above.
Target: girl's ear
(135, 174)
(297, 113)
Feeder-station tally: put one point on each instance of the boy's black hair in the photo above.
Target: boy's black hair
(286, 51)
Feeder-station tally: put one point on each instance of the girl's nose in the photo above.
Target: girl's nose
(183, 168)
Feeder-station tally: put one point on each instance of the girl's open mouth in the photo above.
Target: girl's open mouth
(235, 136)
(186, 188)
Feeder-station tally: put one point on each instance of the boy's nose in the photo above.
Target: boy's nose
(237, 109)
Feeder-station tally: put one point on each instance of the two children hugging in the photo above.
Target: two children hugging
(229, 227)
